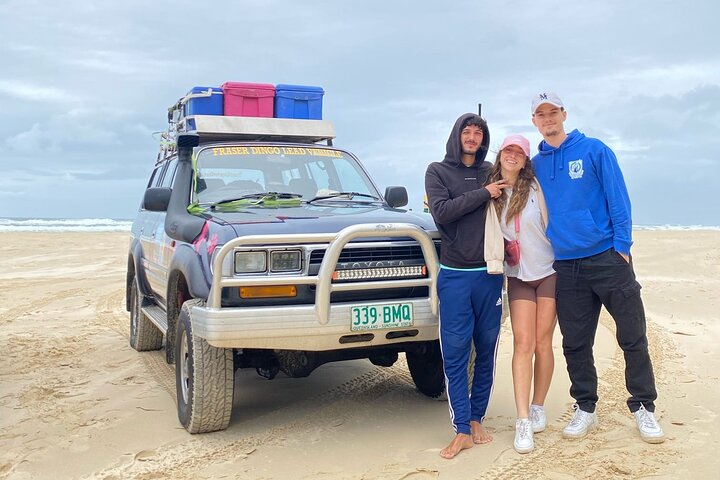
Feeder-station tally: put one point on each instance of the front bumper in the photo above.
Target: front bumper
(324, 325)
(298, 327)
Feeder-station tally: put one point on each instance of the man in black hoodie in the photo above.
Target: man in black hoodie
(470, 298)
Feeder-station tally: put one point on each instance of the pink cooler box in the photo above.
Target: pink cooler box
(248, 99)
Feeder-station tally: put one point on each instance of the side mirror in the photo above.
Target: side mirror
(157, 199)
(396, 196)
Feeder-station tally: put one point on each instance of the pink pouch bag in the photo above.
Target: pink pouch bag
(512, 247)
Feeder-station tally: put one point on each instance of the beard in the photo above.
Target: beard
(552, 132)
(470, 150)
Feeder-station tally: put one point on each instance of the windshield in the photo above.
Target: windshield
(231, 172)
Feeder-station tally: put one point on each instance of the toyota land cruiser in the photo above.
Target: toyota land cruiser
(258, 244)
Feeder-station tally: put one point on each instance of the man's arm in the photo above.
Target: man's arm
(618, 201)
(445, 209)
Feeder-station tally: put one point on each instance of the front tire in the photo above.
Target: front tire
(426, 369)
(203, 377)
(144, 335)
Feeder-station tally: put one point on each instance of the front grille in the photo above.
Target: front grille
(405, 253)
(372, 254)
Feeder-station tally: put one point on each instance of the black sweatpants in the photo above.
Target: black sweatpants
(583, 286)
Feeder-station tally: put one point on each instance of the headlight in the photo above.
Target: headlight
(285, 261)
(250, 262)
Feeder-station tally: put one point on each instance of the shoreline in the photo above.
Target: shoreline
(106, 224)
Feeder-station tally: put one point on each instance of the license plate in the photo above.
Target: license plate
(375, 317)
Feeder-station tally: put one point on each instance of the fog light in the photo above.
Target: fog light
(272, 291)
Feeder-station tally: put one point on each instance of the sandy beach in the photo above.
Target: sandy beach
(76, 401)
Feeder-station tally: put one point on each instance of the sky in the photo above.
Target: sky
(84, 84)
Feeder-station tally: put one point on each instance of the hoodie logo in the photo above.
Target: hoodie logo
(575, 169)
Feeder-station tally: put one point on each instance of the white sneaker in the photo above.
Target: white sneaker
(649, 427)
(524, 442)
(537, 418)
(580, 423)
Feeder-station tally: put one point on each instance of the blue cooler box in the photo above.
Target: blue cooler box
(298, 101)
(204, 101)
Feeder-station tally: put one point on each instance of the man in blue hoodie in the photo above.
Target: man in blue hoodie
(470, 298)
(590, 230)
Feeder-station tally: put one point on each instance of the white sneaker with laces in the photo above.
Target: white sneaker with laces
(650, 429)
(537, 418)
(580, 423)
(524, 442)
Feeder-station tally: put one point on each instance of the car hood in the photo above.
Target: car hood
(316, 218)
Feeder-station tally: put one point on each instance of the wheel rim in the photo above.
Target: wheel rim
(184, 362)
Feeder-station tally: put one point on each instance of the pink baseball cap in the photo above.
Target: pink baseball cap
(518, 140)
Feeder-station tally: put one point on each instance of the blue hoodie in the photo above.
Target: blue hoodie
(587, 200)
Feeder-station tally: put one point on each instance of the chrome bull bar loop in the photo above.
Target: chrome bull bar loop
(323, 280)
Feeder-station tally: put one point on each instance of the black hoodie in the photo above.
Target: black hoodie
(457, 199)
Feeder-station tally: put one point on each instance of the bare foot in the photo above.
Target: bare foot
(459, 443)
(479, 434)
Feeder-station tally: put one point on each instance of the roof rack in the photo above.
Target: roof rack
(213, 128)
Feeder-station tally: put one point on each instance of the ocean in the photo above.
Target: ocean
(64, 225)
(676, 227)
(123, 225)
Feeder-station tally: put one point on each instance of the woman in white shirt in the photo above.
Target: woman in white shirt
(531, 285)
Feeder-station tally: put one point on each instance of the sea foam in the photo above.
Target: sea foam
(64, 225)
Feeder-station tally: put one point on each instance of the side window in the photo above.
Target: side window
(155, 177)
(167, 179)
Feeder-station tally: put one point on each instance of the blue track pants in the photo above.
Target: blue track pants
(470, 311)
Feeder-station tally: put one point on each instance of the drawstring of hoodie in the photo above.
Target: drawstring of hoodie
(562, 161)
(558, 163)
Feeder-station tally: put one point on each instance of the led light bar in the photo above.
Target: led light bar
(380, 273)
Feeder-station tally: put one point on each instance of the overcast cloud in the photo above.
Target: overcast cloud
(84, 84)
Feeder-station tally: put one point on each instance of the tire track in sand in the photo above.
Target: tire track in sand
(36, 306)
(110, 311)
(185, 460)
(616, 435)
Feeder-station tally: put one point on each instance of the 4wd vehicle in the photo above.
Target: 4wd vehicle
(260, 245)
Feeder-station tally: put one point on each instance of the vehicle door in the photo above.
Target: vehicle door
(143, 225)
(155, 242)
(164, 245)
